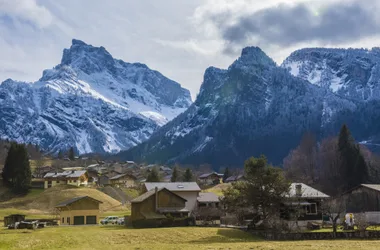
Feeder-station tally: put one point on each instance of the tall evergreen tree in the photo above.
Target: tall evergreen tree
(188, 175)
(71, 154)
(226, 174)
(153, 176)
(174, 177)
(262, 191)
(353, 168)
(16, 173)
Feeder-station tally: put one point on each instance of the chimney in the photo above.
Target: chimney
(298, 190)
(156, 195)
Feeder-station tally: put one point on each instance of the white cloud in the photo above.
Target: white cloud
(26, 10)
(178, 38)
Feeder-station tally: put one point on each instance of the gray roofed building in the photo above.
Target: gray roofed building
(305, 191)
(210, 174)
(173, 186)
(75, 178)
(65, 174)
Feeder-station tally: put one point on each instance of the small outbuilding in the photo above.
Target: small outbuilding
(82, 210)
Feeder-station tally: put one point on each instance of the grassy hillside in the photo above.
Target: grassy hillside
(218, 189)
(96, 237)
(44, 201)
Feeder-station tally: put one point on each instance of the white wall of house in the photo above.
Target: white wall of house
(191, 197)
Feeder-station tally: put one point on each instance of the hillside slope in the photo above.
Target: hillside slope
(46, 200)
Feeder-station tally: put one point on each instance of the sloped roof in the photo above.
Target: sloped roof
(306, 192)
(173, 186)
(203, 176)
(207, 197)
(122, 175)
(375, 187)
(67, 174)
(68, 202)
(234, 178)
(148, 194)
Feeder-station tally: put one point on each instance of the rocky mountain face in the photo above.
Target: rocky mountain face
(90, 101)
(350, 73)
(255, 107)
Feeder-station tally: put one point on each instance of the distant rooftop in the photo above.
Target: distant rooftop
(203, 176)
(173, 186)
(207, 197)
(66, 174)
(306, 191)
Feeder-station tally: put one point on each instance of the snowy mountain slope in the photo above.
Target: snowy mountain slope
(351, 73)
(252, 108)
(91, 101)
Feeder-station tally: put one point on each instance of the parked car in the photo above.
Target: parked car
(109, 220)
(120, 221)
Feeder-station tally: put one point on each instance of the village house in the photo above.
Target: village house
(155, 204)
(75, 178)
(187, 190)
(211, 178)
(123, 180)
(208, 206)
(82, 210)
(208, 200)
(103, 180)
(303, 204)
(364, 198)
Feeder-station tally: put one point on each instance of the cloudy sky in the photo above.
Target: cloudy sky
(180, 38)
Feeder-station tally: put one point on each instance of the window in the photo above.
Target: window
(68, 220)
(63, 220)
(202, 204)
(311, 209)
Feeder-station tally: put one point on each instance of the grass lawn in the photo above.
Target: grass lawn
(116, 237)
(218, 189)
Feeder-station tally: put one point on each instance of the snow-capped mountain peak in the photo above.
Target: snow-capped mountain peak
(91, 101)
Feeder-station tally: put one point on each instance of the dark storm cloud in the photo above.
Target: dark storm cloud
(286, 25)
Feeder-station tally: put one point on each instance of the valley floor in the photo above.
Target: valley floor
(117, 237)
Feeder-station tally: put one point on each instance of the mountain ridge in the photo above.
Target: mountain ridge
(90, 101)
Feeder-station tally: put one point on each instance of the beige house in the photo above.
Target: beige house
(82, 210)
(75, 178)
(187, 190)
(123, 180)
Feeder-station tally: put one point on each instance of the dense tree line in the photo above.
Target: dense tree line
(334, 165)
